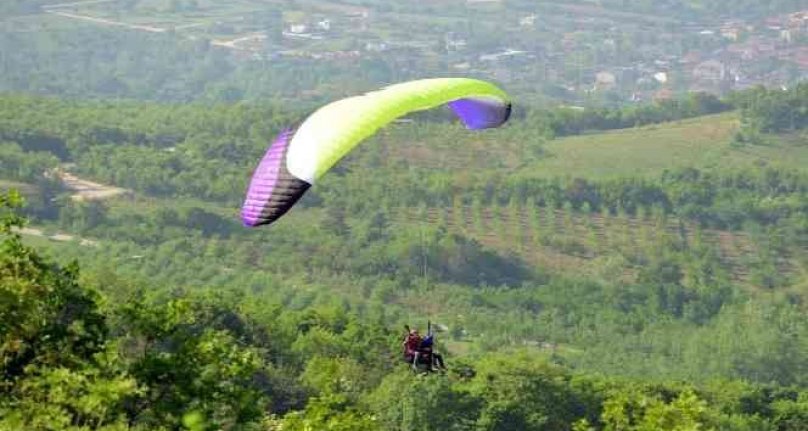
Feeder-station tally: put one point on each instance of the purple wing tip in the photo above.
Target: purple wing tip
(272, 190)
(249, 220)
(479, 114)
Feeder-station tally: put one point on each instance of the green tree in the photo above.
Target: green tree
(58, 368)
(522, 393)
(404, 403)
(191, 357)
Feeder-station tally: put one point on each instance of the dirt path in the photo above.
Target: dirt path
(233, 44)
(230, 44)
(61, 237)
(103, 21)
(73, 4)
(86, 190)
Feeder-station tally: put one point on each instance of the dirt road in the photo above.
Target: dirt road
(57, 236)
(233, 44)
(103, 21)
(74, 4)
(86, 190)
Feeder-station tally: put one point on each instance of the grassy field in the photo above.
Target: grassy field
(703, 143)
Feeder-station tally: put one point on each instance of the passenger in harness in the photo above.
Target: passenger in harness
(411, 343)
(432, 357)
(419, 350)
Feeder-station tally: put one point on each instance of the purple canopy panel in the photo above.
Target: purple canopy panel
(481, 113)
(273, 189)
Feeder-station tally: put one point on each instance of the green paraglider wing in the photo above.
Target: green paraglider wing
(296, 159)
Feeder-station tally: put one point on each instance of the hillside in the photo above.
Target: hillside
(706, 142)
(574, 239)
(668, 252)
(568, 243)
(701, 143)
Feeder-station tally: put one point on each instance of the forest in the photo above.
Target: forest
(140, 357)
(668, 301)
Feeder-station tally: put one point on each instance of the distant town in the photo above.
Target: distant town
(561, 51)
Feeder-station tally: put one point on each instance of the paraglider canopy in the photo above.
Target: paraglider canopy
(297, 158)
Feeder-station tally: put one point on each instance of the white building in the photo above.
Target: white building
(298, 28)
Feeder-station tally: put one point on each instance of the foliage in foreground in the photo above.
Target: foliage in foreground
(74, 358)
